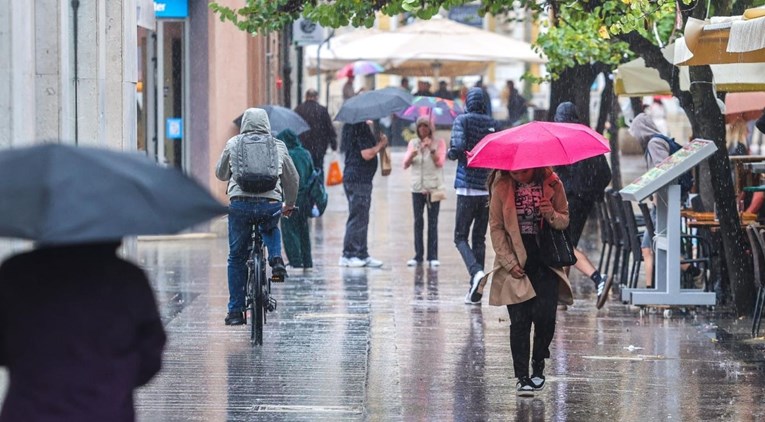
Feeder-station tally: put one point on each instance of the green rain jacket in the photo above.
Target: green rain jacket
(301, 158)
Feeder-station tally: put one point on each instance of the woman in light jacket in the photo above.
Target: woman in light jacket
(520, 202)
(426, 156)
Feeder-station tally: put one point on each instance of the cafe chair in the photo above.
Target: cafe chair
(634, 237)
(621, 249)
(757, 244)
(606, 236)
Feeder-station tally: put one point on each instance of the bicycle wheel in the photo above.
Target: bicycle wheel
(258, 305)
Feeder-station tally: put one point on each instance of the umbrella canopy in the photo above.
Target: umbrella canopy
(537, 144)
(359, 68)
(436, 47)
(281, 118)
(373, 105)
(82, 195)
(440, 111)
(723, 39)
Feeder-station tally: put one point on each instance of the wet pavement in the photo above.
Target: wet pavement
(397, 343)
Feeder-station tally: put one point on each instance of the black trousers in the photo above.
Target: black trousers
(472, 211)
(359, 200)
(579, 210)
(539, 311)
(419, 203)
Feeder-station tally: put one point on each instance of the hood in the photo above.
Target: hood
(474, 103)
(643, 129)
(289, 138)
(425, 120)
(255, 120)
(566, 113)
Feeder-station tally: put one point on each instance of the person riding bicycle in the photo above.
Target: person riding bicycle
(251, 205)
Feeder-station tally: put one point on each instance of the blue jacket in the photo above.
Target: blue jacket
(467, 131)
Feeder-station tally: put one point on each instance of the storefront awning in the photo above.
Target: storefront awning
(725, 39)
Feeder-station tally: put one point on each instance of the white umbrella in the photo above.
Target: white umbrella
(436, 47)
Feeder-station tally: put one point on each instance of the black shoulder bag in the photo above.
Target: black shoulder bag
(555, 246)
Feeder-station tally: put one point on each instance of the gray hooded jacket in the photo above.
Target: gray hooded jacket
(256, 120)
(644, 129)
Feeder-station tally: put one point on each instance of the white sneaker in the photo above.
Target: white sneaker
(412, 263)
(352, 262)
(473, 295)
(435, 263)
(371, 262)
(470, 302)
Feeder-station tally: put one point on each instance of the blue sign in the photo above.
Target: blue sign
(171, 9)
(466, 14)
(173, 128)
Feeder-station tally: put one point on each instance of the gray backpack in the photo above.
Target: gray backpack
(255, 163)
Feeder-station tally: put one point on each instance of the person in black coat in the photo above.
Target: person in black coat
(584, 182)
(79, 331)
(322, 133)
(472, 193)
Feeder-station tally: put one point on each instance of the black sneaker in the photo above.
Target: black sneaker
(537, 375)
(524, 387)
(278, 271)
(604, 288)
(234, 318)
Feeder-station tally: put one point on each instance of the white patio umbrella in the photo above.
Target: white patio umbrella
(436, 47)
(724, 39)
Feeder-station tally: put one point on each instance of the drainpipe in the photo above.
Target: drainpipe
(75, 7)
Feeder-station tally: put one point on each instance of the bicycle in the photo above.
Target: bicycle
(258, 300)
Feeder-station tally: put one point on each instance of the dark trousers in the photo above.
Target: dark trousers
(472, 211)
(539, 310)
(296, 236)
(420, 202)
(359, 200)
(579, 210)
(318, 163)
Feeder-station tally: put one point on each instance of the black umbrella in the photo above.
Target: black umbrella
(374, 105)
(57, 194)
(281, 118)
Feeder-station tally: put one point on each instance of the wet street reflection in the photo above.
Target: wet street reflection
(398, 343)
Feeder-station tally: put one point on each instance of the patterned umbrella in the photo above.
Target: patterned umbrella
(440, 110)
(359, 67)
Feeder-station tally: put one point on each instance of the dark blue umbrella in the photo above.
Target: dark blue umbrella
(57, 194)
(373, 105)
(281, 118)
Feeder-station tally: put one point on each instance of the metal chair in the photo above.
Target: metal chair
(634, 237)
(606, 236)
(757, 243)
(621, 258)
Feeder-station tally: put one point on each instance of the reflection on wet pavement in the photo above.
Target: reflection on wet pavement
(397, 343)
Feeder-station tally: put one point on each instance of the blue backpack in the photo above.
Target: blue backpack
(686, 179)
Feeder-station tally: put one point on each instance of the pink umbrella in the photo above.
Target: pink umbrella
(537, 144)
(359, 67)
(743, 105)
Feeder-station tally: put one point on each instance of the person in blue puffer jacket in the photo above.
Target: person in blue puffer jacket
(472, 193)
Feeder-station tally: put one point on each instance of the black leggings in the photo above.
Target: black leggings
(539, 310)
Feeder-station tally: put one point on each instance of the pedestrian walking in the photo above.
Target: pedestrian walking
(360, 147)
(348, 91)
(470, 184)
(520, 201)
(426, 155)
(296, 234)
(322, 133)
(584, 182)
(255, 156)
(516, 104)
(79, 332)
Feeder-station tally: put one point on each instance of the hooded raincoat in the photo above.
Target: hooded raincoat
(295, 231)
(644, 130)
(508, 243)
(255, 120)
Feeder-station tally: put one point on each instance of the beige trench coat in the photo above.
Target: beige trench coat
(508, 244)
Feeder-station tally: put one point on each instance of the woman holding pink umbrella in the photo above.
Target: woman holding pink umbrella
(426, 156)
(520, 201)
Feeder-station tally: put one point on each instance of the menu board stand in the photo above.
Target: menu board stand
(662, 180)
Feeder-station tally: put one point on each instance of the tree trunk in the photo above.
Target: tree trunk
(573, 84)
(613, 138)
(708, 123)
